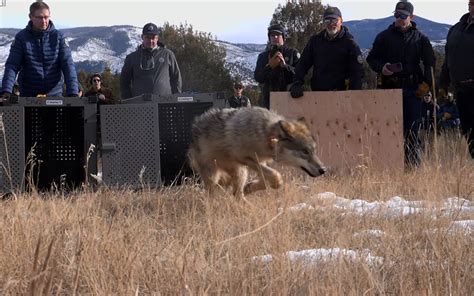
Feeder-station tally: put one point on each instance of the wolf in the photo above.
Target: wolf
(227, 142)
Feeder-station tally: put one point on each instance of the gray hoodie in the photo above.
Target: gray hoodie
(150, 71)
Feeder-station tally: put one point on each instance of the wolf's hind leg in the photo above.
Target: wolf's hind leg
(267, 176)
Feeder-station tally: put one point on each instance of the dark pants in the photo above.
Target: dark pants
(412, 123)
(465, 103)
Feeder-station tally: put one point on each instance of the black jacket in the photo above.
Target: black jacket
(237, 102)
(410, 47)
(333, 61)
(459, 53)
(275, 79)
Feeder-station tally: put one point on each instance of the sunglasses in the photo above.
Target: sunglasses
(95, 80)
(330, 21)
(238, 87)
(401, 15)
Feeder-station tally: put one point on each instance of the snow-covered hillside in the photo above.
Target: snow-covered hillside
(94, 48)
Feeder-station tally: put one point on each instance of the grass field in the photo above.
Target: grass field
(363, 233)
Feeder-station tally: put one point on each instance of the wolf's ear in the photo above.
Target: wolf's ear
(285, 129)
(302, 120)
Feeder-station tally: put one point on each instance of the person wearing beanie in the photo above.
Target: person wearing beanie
(151, 68)
(276, 65)
(458, 71)
(238, 100)
(396, 55)
(334, 55)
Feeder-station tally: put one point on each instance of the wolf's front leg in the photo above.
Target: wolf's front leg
(238, 181)
(268, 177)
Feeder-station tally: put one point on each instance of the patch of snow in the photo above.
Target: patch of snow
(375, 233)
(393, 208)
(313, 257)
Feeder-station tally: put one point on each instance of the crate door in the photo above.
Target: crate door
(130, 145)
(12, 148)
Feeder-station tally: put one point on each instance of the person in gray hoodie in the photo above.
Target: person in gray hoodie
(151, 69)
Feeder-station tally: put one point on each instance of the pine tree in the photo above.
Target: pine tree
(301, 21)
(200, 59)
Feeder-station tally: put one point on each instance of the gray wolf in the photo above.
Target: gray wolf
(227, 142)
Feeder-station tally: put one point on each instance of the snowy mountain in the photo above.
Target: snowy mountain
(364, 31)
(94, 48)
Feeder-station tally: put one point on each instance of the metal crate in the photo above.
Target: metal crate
(54, 135)
(176, 114)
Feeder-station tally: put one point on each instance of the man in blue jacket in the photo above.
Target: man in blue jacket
(40, 57)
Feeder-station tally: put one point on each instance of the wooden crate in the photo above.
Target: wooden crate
(351, 128)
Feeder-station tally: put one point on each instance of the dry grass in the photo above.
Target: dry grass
(178, 241)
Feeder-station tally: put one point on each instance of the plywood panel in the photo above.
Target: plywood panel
(352, 128)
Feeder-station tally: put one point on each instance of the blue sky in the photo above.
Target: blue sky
(236, 21)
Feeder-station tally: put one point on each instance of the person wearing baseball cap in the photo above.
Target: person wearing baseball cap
(151, 68)
(238, 100)
(275, 65)
(333, 54)
(396, 56)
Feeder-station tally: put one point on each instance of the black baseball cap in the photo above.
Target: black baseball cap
(332, 13)
(404, 7)
(150, 29)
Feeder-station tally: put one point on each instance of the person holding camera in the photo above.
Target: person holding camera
(104, 95)
(396, 56)
(39, 58)
(276, 65)
(334, 55)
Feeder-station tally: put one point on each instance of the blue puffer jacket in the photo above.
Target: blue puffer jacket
(39, 58)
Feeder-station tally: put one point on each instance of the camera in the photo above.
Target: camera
(273, 50)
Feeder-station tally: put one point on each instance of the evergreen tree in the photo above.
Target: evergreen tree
(301, 21)
(200, 59)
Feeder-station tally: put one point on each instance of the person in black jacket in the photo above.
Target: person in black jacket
(458, 70)
(396, 55)
(276, 65)
(238, 100)
(334, 55)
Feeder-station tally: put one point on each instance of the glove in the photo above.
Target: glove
(6, 96)
(422, 90)
(296, 90)
(446, 116)
(274, 61)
